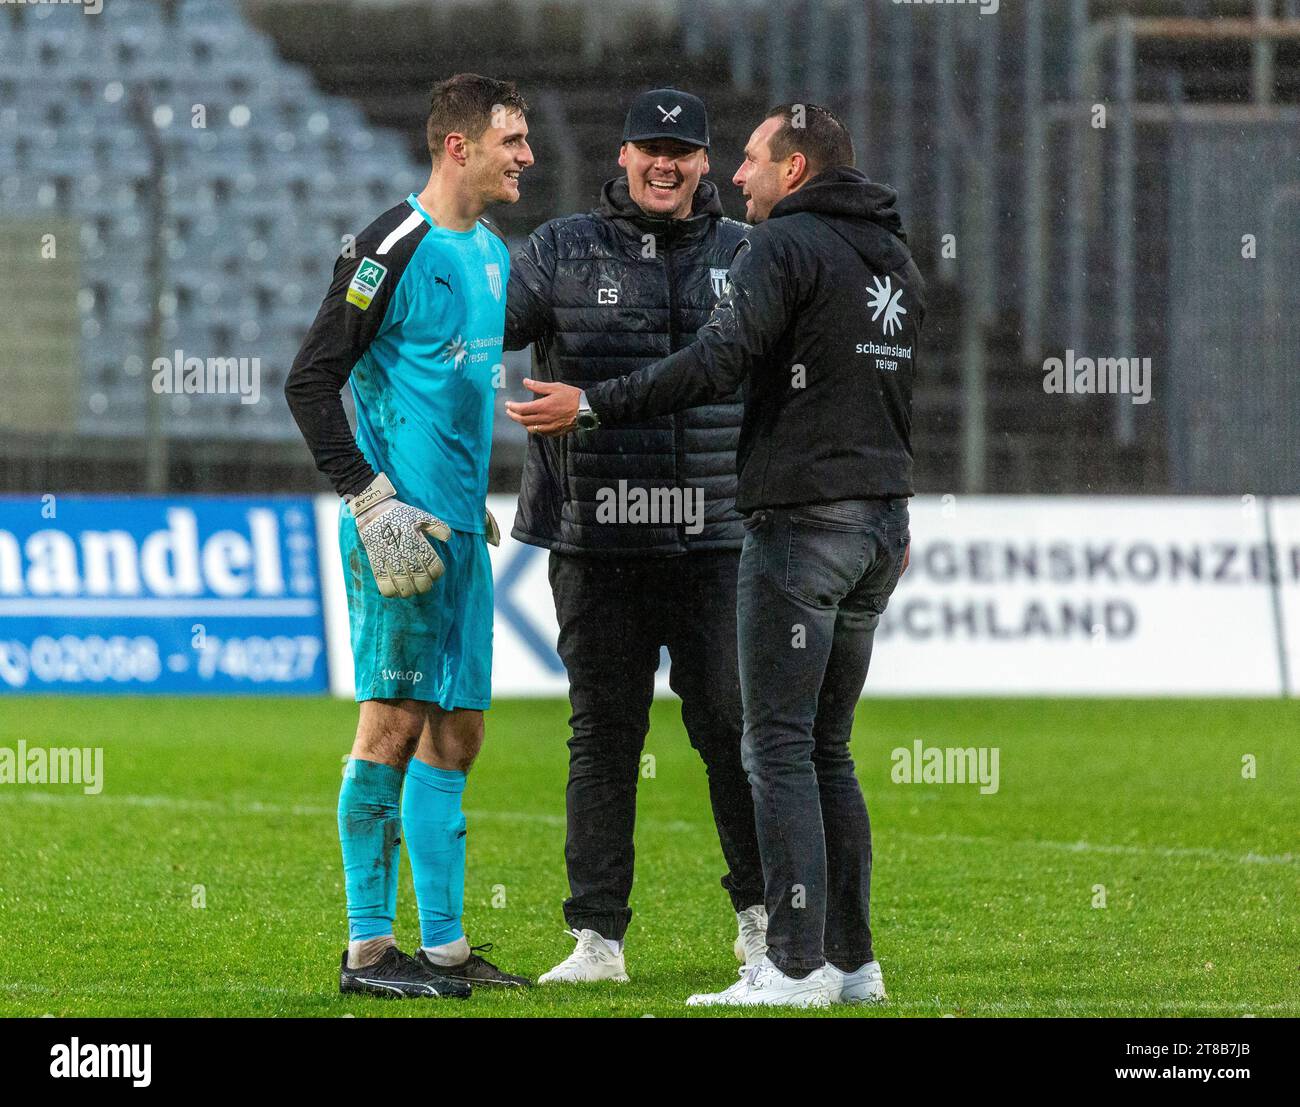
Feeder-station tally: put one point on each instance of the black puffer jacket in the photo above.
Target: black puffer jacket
(598, 302)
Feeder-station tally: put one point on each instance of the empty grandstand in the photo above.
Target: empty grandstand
(1074, 176)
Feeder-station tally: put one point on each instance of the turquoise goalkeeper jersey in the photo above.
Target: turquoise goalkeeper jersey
(420, 311)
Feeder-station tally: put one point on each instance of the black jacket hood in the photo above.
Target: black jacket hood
(616, 203)
(863, 212)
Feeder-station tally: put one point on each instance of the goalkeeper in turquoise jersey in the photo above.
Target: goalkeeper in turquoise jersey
(413, 322)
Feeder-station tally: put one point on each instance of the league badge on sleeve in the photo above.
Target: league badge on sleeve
(369, 276)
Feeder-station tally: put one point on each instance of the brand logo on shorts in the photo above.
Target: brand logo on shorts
(369, 276)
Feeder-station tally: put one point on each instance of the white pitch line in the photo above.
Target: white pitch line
(1197, 853)
(172, 803)
(257, 807)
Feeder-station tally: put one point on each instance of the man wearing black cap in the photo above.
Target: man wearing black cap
(640, 519)
(821, 321)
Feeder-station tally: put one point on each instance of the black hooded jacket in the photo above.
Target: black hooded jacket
(602, 294)
(821, 323)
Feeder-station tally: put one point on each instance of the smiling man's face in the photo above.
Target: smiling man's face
(662, 175)
(498, 156)
(761, 180)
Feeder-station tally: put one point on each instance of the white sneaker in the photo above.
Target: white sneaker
(591, 960)
(751, 942)
(865, 985)
(762, 984)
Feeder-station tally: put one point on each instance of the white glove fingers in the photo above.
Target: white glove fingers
(427, 564)
(437, 528)
(403, 583)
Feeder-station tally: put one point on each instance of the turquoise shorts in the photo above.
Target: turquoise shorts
(435, 646)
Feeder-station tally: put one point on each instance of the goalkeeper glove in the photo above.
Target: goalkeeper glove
(493, 531)
(403, 560)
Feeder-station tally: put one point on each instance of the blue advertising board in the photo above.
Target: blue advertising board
(159, 594)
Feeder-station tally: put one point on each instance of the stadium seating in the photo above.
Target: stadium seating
(260, 199)
(255, 203)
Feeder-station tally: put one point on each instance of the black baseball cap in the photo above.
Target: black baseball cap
(667, 113)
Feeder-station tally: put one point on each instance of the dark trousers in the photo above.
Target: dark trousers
(614, 615)
(813, 584)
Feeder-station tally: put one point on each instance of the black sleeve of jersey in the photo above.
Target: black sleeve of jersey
(337, 338)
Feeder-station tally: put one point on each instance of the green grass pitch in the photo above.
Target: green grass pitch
(205, 879)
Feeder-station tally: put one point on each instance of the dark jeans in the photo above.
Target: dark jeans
(813, 583)
(614, 615)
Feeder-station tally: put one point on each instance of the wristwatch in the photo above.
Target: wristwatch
(587, 420)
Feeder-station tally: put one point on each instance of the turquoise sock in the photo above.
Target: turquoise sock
(370, 832)
(434, 828)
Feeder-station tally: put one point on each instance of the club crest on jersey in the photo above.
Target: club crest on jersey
(493, 271)
(369, 276)
(719, 279)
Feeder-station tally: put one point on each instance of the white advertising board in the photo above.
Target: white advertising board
(1081, 596)
(1006, 595)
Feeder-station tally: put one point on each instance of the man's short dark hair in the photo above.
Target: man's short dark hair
(465, 104)
(813, 131)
